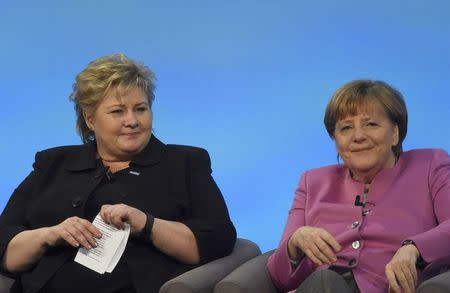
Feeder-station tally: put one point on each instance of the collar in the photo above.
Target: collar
(84, 158)
(151, 154)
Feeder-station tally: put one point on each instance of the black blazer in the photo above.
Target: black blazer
(174, 183)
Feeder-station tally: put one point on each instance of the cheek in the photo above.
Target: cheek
(341, 150)
(110, 127)
(389, 140)
(147, 121)
(340, 144)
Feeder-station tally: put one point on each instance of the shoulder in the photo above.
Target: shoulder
(327, 171)
(324, 175)
(61, 150)
(424, 155)
(183, 151)
(192, 156)
(62, 154)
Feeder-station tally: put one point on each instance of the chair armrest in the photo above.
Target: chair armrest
(436, 277)
(5, 283)
(435, 268)
(438, 284)
(252, 276)
(204, 278)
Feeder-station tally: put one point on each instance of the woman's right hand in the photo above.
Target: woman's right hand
(27, 247)
(74, 231)
(316, 243)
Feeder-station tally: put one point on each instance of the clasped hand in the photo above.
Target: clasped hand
(316, 243)
(76, 231)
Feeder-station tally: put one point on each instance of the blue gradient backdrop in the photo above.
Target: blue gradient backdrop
(247, 80)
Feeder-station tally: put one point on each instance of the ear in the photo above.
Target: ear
(395, 136)
(89, 119)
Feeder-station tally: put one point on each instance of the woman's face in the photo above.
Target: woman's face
(121, 123)
(365, 141)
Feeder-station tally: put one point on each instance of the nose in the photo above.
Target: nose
(131, 120)
(359, 135)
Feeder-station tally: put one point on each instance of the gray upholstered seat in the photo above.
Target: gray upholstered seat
(253, 276)
(199, 280)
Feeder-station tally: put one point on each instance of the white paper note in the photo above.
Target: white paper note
(110, 248)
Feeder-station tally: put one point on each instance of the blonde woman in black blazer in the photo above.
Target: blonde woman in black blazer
(177, 215)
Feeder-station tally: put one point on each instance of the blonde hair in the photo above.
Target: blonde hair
(348, 99)
(92, 84)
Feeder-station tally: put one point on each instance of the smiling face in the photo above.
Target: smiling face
(121, 123)
(364, 142)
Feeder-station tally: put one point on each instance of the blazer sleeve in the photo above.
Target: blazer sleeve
(284, 276)
(209, 219)
(13, 218)
(434, 243)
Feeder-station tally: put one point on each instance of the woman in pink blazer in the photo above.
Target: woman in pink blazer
(370, 224)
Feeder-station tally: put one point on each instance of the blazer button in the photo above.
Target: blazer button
(356, 244)
(355, 224)
(76, 202)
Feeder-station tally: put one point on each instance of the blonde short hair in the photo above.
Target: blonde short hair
(102, 75)
(349, 98)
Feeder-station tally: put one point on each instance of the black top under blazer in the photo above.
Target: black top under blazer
(174, 183)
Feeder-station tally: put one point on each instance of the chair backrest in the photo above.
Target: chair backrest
(5, 284)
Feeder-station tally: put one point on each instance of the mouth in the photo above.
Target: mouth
(361, 150)
(131, 134)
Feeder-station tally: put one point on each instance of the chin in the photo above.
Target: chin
(132, 149)
(362, 166)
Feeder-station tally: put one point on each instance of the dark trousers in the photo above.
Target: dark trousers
(329, 281)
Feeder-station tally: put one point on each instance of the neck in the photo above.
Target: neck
(366, 177)
(107, 160)
(363, 177)
(111, 159)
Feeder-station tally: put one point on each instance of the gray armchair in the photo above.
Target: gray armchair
(204, 278)
(253, 276)
(438, 284)
(5, 284)
(436, 277)
(199, 280)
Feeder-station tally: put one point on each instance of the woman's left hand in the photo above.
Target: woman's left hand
(401, 271)
(119, 214)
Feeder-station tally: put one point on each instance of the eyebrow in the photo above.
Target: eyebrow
(350, 121)
(122, 105)
(141, 104)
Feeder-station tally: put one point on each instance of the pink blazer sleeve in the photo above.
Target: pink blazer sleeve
(283, 275)
(435, 243)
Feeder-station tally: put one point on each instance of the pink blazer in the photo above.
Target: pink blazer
(409, 201)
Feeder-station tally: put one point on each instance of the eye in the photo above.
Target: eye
(142, 109)
(372, 124)
(345, 128)
(117, 111)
